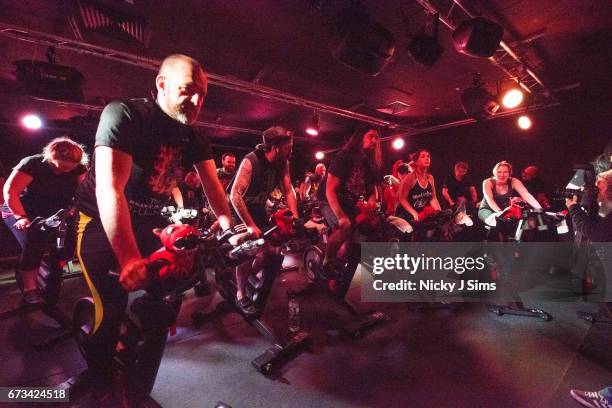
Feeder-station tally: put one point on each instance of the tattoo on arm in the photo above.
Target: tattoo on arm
(241, 184)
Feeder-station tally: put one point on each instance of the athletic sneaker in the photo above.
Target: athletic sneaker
(246, 306)
(591, 399)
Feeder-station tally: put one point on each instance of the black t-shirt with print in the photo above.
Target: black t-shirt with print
(458, 188)
(355, 180)
(48, 192)
(162, 149)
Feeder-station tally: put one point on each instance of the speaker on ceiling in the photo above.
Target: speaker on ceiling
(478, 37)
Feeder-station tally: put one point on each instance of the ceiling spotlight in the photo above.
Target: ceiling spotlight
(398, 143)
(524, 122)
(512, 98)
(312, 127)
(31, 122)
(319, 155)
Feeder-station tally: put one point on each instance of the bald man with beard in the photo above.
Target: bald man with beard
(142, 149)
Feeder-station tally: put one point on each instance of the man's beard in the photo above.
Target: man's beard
(182, 115)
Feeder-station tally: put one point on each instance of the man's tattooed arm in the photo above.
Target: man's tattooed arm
(241, 184)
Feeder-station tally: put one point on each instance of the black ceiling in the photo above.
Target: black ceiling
(283, 44)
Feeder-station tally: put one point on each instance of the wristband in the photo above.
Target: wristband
(19, 217)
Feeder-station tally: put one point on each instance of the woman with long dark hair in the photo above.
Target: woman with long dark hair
(353, 173)
(418, 189)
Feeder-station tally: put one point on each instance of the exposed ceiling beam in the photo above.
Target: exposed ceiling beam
(459, 123)
(211, 125)
(517, 69)
(37, 37)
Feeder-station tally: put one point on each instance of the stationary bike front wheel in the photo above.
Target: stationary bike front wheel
(83, 321)
(313, 259)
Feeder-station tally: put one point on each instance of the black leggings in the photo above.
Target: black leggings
(110, 299)
(34, 244)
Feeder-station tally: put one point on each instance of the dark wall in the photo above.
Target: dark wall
(558, 138)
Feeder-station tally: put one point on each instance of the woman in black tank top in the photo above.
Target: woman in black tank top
(498, 190)
(417, 190)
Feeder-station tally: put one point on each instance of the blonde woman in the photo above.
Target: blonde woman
(497, 192)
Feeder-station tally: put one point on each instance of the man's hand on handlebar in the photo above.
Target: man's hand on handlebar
(134, 275)
(239, 238)
(344, 222)
(255, 231)
(22, 224)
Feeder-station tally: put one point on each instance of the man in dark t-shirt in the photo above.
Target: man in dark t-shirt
(227, 171)
(312, 182)
(260, 172)
(535, 185)
(459, 185)
(142, 148)
(352, 174)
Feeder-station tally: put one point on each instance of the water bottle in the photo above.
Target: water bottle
(294, 313)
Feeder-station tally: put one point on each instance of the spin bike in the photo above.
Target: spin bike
(368, 226)
(532, 225)
(151, 315)
(51, 274)
(257, 289)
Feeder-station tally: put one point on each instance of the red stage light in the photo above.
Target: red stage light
(319, 155)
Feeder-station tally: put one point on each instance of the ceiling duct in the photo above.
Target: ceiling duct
(90, 17)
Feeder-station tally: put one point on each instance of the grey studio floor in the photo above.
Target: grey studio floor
(466, 358)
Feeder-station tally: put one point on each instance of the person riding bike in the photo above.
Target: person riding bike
(498, 191)
(142, 147)
(39, 186)
(260, 172)
(312, 182)
(353, 174)
(417, 190)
